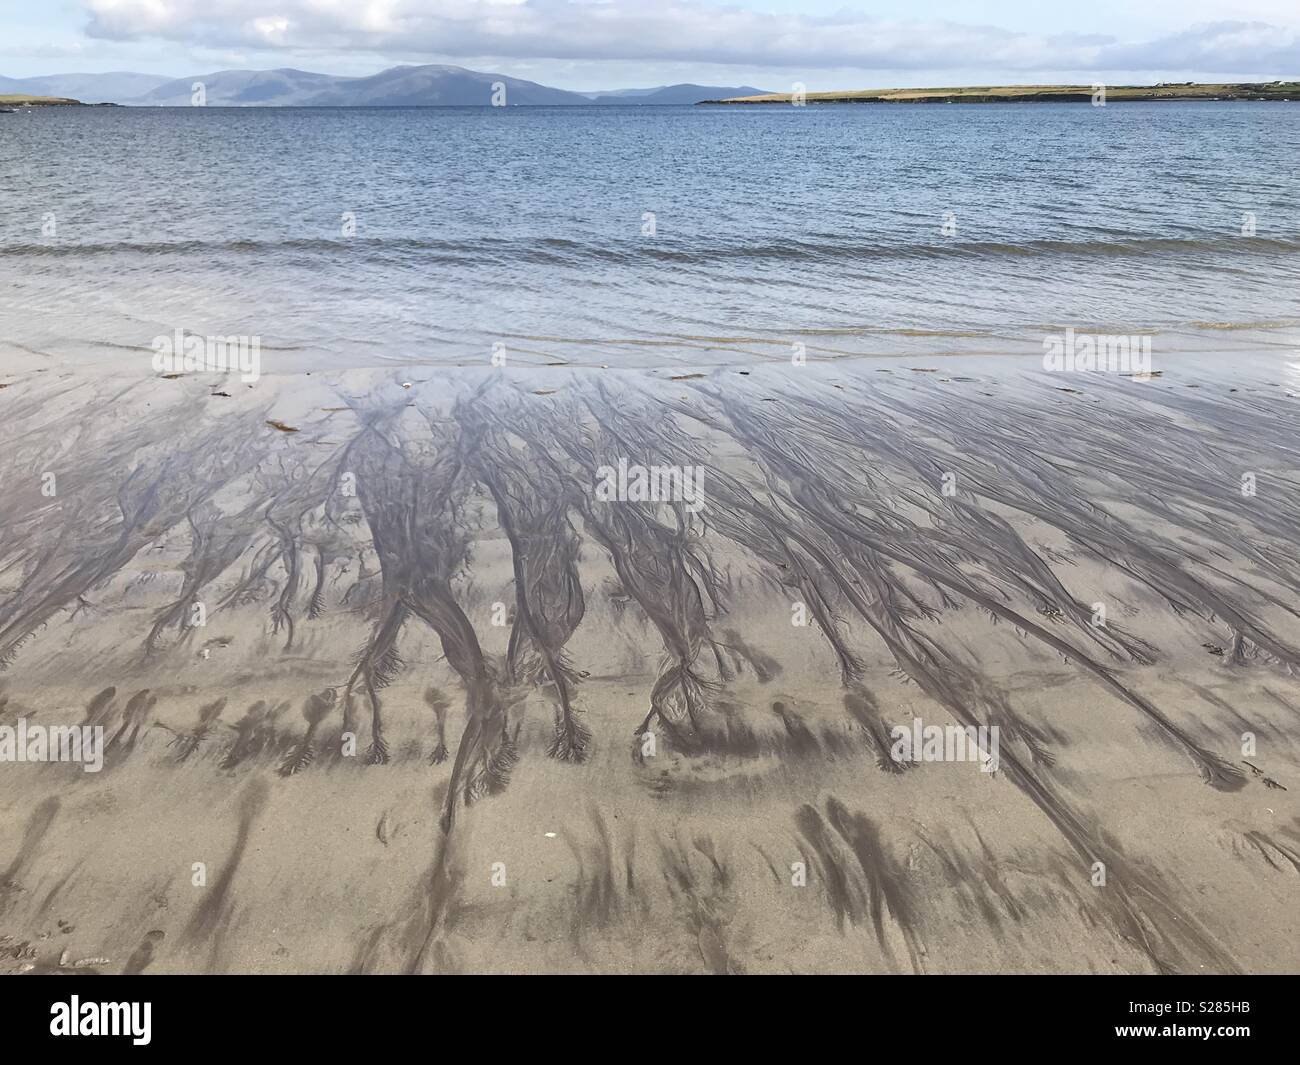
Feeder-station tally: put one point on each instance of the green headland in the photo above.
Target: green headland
(1011, 94)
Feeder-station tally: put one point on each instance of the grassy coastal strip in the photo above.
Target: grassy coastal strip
(22, 99)
(1010, 94)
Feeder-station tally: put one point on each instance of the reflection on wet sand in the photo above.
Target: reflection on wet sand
(608, 735)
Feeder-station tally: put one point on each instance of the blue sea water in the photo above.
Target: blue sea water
(643, 235)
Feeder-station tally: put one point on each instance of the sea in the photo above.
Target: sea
(643, 236)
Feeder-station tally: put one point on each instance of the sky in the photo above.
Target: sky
(605, 44)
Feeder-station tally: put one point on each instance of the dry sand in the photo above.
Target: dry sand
(502, 810)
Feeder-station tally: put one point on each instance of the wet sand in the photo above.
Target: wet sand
(449, 710)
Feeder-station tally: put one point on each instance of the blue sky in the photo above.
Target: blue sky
(593, 44)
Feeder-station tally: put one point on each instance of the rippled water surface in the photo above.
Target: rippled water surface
(530, 227)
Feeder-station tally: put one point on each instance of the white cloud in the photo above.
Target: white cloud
(271, 29)
(676, 31)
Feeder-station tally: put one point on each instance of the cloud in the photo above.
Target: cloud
(1217, 46)
(686, 31)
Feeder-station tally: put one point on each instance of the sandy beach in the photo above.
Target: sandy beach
(387, 685)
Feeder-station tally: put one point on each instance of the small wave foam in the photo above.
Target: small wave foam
(686, 251)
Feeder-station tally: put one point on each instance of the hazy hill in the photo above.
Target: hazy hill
(92, 88)
(406, 86)
(435, 86)
(685, 94)
(241, 88)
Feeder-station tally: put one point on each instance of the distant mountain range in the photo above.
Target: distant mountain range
(407, 86)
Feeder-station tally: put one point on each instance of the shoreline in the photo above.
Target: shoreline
(1283, 92)
(19, 100)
